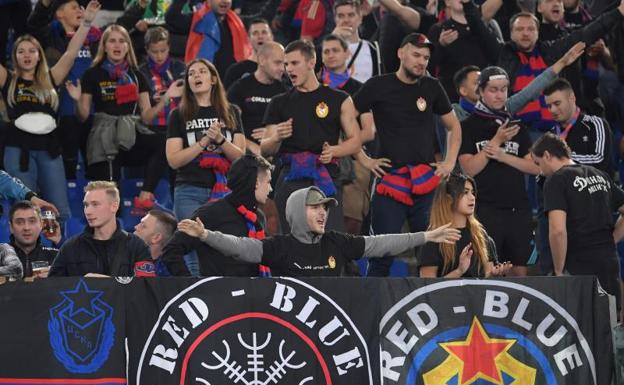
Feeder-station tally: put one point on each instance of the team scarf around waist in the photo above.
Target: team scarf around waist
(306, 165)
(161, 79)
(562, 131)
(255, 231)
(127, 90)
(401, 184)
(535, 114)
(334, 80)
(220, 166)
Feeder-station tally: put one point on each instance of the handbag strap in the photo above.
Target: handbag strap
(357, 52)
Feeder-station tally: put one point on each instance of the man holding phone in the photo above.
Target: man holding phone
(26, 226)
(495, 151)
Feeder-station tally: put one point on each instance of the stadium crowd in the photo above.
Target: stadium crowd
(294, 137)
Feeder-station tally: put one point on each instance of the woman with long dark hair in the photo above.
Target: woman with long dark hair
(33, 146)
(474, 255)
(204, 136)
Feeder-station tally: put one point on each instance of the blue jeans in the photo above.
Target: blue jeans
(186, 199)
(44, 175)
(388, 216)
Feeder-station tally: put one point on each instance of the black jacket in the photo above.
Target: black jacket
(39, 253)
(117, 256)
(552, 50)
(217, 216)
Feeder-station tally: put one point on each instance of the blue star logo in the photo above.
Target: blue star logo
(82, 299)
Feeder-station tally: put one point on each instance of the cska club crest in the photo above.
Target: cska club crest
(81, 329)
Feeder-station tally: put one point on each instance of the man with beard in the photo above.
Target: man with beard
(404, 105)
(249, 179)
(304, 126)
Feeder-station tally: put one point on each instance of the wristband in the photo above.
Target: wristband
(221, 142)
(86, 23)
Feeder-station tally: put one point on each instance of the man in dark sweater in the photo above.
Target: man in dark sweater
(249, 179)
(26, 227)
(309, 250)
(103, 248)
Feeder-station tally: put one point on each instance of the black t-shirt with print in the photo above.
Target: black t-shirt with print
(26, 101)
(288, 257)
(191, 132)
(431, 255)
(404, 116)
(500, 185)
(316, 119)
(589, 197)
(315, 114)
(253, 98)
(96, 82)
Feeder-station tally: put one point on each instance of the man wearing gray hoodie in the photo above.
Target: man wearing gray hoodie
(308, 250)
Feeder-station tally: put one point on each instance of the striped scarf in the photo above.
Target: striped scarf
(161, 80)
(402, 183)
(306, 165)
(220, 167)
(255, 231)
(535, 114)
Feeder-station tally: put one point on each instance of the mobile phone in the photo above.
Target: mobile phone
(39, 265)
(514, 122)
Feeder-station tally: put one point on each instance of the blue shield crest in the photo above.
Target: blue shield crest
(81, 329)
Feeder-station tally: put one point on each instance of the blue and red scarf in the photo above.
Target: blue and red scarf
(334, 80)
(161, 80)
(535, 114)
(402, 183)
(127, 90)
(485, 111)
(562, 131)
(255, 231)
(306, 165)
(220, 166)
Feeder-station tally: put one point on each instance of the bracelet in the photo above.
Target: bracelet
(221, 142)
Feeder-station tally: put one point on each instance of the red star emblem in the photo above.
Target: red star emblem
(478, 354)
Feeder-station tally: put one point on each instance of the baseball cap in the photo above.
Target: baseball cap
(492, 73)
(316, 197)
(418, 40)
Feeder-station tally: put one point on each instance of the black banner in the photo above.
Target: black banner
(314, 331)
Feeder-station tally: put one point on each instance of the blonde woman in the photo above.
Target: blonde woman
(474, 255)
(33, 146)
(115, 87)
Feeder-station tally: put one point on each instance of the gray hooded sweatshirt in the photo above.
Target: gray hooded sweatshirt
(251, 250)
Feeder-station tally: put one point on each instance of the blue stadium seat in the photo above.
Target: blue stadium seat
(4, 229)
(73, 226)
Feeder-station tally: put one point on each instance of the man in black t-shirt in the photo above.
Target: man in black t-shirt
(310, 250)
(580, 201)
(259, 33)
(254, 93)
(304, 126)
(403, 106)
(495, 151)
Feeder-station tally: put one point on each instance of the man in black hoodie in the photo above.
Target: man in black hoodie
(309, 250)
(249, 179)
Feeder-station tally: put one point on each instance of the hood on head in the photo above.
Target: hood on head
(241, 179)
(296, 214)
